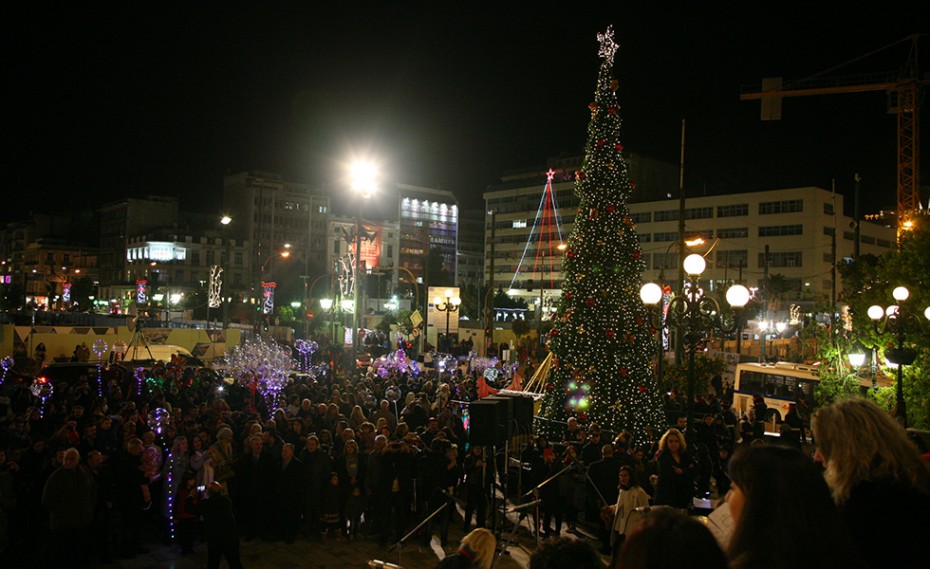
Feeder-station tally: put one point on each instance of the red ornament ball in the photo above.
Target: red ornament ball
(554, 332)
(610, 333)
(639, 320)
(618, 147)
(601, 142)
(549, 386)
(637, 255)
(642, 389)
(570, 254)
(624, 372)
(579, 175)
(611, 208)
(589, 302)
(611, 110)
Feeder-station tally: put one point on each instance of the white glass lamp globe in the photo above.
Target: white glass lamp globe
(875, 312)
(650, 293)
(694, 264)
(891, 311)
(737, 296)
(900, 293)
(927, 313)
(455, 301)
(856, 359)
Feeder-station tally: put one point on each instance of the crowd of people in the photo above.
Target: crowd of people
(102, 470)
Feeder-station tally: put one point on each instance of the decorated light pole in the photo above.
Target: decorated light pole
(694, 314)
(364, 179)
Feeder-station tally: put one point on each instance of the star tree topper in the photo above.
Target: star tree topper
(608, 46)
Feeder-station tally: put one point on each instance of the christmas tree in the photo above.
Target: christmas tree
(602, 342)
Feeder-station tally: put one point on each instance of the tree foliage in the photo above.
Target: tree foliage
(869, 281)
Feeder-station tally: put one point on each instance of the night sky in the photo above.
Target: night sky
(166, 99)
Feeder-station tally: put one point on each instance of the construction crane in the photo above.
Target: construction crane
(903, 88)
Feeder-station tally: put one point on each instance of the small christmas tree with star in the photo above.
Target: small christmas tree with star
(602, 342)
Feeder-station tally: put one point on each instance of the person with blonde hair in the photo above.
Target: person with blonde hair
(676, 471)
(476, 551)
(877, 479)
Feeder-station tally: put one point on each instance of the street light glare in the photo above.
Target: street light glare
(694, 264)
(900, 293)
(364, 175)
(225, 220)
(737, 296)
(650, 293)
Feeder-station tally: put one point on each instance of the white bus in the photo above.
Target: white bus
(780, 384)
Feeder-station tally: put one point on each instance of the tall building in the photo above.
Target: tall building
(270, 212)
(429, 219)
(119, 220)
(470, 255)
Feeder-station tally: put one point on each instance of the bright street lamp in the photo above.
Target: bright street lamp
(449, 305)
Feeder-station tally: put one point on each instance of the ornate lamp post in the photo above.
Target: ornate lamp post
(899, 320)
(450, 305)
(694, 314)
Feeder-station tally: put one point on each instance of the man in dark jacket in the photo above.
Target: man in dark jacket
(132, 496)
(69, 496)
(221, 529)
(289, 493)
(603, 476)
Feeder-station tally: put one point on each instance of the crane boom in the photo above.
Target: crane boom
(905, 86)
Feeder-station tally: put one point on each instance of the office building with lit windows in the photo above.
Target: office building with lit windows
(797, 233)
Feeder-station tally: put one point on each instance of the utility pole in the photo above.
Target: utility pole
(679, 352)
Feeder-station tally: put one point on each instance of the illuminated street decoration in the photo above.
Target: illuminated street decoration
(141, 292)
(214, 295)
(268, 297)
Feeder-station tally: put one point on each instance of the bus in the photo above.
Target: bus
(780, 384)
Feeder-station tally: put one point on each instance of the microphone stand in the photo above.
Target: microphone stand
(401, 541)
(535, 493)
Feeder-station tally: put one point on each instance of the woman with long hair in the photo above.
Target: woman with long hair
(783, 514)
(626, 516)
(878, 481)
(476, 551)
(676, 471)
